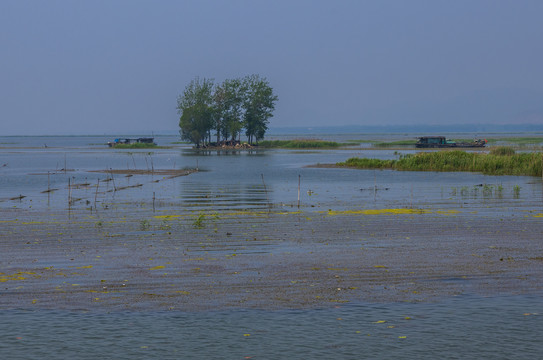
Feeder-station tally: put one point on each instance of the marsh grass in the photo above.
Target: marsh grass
(488, 191)
(518, 140)
(502, 151)
(457, 160)
(298, 144)
(136, 146)
(394, 143)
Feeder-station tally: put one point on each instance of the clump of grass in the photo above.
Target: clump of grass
(199, 221)
(299, 144)
(145, 225)
(457, 160)
(516, 191)
(502, 151)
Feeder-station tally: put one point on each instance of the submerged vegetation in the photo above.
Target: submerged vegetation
(299, 144)
(501, 161)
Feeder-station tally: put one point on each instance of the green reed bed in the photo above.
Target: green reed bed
(298, 144)
(394, 143)
(493, 163)
(136, 146)
(521, 141)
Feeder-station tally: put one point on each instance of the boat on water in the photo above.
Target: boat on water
(443, 142)
(131, 141)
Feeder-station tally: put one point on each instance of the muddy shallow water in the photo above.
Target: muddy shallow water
(169, 260)
(248, 254)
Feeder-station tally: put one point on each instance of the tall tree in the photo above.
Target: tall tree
(259, 104)
(195, 108)
(233, 94)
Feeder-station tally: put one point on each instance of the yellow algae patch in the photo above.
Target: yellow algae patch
(289, 213)
(380, 212)
(237, 213)
(167, 217)
(157, 267)
(538, 215)
(18, 276)
(84, 267)
(448, 212)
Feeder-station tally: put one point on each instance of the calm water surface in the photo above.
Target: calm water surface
(237, 180)
(503, 327)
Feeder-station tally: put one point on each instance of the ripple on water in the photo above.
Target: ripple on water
(462, 327)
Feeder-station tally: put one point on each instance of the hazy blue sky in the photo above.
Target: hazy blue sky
(77, 67)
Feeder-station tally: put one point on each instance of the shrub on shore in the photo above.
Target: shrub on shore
(457, 160)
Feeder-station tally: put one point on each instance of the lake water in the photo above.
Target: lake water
(236, 180)
(501, 327)
(460, 328)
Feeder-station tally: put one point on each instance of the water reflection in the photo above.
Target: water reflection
(224, 197)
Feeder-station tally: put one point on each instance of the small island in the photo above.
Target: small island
(235, 105)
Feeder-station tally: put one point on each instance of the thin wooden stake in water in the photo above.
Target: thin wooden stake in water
(48, 188)
(69, 193)
(96, 193)
(153, 201)
(299, 180)
(113, 179)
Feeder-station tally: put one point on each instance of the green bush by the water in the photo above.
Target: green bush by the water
(298, 144)
(457, 160)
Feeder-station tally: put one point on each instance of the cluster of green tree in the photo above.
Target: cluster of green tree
(227, 108)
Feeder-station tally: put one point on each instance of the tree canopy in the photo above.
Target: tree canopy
(227, 108)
